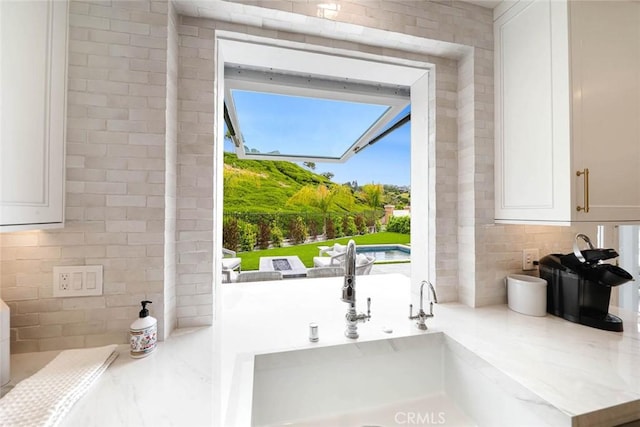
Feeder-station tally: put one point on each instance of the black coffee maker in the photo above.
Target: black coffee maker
(579, 285)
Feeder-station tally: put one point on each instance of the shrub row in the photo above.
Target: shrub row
(399, 224)
(245, 232)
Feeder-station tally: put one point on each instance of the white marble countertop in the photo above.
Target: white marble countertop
(170, 387)
(204, 377)
(580, 370)
(268, 317)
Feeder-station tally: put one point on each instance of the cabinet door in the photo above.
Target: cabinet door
(532, 113)
(605, 54)
(33, 58)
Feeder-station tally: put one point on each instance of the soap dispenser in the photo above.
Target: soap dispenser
(143, 334)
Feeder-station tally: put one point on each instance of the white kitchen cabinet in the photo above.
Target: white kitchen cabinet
(567, 100)
(33, 63)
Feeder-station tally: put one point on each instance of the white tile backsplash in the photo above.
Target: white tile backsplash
(140, 158)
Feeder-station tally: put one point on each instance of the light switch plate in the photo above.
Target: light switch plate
(77, 281)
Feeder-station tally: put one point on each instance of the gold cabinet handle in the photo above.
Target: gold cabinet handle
(585, 174)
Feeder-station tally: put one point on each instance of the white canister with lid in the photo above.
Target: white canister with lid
(527, 294)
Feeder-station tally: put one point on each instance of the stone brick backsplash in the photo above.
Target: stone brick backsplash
(140, 160)
(115, 185)
(194, 282)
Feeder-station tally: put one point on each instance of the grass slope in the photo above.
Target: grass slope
(306, 252)
(266, 185)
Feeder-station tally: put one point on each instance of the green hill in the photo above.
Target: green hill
(266, 185)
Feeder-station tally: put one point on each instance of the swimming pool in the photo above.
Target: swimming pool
(386, 253)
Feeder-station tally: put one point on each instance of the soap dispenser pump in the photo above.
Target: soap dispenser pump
(143, 334)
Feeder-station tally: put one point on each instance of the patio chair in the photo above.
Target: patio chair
(325, 272)
(229, 264)
(258, 276)
(336, 260)
(364, 264)
(336, 249)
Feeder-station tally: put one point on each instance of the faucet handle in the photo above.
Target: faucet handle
(369, 306)
(410, 311)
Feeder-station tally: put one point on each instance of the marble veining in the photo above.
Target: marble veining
(581, 371)
(204, 377)
(172, 386)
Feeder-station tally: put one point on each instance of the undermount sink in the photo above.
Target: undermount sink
(427, 379)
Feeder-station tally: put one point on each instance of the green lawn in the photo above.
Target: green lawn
(306, 252)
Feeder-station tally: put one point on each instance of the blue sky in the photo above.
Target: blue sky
(388, 161)
(327, 127)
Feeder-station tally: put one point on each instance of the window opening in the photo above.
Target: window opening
(337, 117)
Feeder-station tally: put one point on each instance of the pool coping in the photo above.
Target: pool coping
(393, 246)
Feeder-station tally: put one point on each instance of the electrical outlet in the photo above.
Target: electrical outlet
(528, 257)
(64, 279)
(77, 281)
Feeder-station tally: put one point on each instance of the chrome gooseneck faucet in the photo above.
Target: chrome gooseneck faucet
(422, 316)
(349, 293)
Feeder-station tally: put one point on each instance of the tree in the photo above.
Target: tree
(372, 194)
(328, 175)
(310, 165)
(322, 198)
